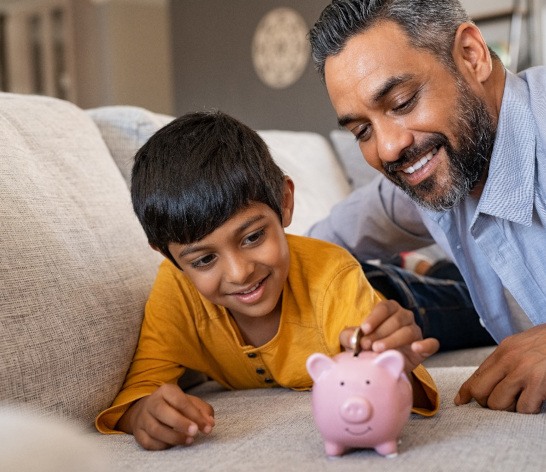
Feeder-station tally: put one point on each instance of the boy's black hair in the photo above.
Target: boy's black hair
(196, 172)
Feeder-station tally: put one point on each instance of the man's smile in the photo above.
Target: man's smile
(421, 162)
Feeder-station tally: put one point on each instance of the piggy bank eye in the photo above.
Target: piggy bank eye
(342, 383)
(368, 382)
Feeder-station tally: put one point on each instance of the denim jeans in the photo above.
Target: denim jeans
(442, 306)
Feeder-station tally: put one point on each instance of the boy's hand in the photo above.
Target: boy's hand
(166, 418)
(390, 326)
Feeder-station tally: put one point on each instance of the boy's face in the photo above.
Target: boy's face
(244, 263)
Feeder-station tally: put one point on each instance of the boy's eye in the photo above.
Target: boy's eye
(203, 261)
(253, 238)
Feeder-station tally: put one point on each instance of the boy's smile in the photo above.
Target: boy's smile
(242, 265)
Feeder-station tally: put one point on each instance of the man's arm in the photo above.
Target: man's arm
(374, 222)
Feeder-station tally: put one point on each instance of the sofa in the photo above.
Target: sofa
(75, 271)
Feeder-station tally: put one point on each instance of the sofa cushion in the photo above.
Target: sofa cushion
(75, 266)
(306, 157)
(124, 130)
(358, 171)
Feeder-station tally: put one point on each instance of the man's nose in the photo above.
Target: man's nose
(392, 138)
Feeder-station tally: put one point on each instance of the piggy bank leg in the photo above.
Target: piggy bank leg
(334, 449)
(388, 449)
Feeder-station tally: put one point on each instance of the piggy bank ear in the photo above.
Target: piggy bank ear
(317, 364)
(392, 361)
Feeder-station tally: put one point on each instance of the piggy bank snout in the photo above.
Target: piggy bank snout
(356, 410)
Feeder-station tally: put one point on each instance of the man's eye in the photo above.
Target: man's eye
(362, 133)
(254, 237)
(203, 261)
(407, 105)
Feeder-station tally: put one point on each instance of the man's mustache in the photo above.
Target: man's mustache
(408, 155)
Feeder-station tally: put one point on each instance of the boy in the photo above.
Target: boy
(237, 298)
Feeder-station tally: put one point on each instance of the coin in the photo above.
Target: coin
(355, 341)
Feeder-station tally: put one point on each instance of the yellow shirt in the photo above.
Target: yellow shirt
(325, 292)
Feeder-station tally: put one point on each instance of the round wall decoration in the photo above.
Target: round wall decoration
(280, 49)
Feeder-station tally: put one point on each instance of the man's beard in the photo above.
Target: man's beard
(475, 130)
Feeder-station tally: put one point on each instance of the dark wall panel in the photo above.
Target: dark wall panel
(213, 68)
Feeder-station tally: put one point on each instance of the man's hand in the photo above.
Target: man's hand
(166, 418)
(513, 377)
(389, 326)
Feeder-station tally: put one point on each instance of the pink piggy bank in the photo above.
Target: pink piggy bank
(360, 401)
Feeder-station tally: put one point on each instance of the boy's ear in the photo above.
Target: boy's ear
(471, 54)
(287, 201)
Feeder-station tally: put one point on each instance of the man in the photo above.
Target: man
(462, 144)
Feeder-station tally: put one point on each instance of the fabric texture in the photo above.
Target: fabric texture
(357, 170)
(75, 267)
(183, 329)
(273, 430)
(125, 129)
(442, 307)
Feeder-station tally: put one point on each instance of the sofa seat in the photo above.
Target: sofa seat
(273, 430)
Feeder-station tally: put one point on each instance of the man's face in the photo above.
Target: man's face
(415, 120)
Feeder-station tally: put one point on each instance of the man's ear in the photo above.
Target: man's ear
(287, 201)
(471, 54)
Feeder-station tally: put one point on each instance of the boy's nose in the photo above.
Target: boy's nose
(238, 270)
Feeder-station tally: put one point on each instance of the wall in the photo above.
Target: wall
(213, 66)
(124, 54)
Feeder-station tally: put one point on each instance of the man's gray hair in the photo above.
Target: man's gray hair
(429, 24)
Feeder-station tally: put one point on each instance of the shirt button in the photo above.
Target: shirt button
(260, 371)
(268, 380)
(252, 355)
(482, 323)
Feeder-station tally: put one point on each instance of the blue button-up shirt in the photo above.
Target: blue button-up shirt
(498, 241)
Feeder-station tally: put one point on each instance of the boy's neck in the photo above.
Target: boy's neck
(260, 330)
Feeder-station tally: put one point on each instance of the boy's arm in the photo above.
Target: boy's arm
(168, 341)
(166, 418)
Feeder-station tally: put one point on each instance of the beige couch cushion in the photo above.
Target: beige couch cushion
(75, 267)
(124, 130)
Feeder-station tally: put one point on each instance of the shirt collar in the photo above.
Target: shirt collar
(509, 189)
